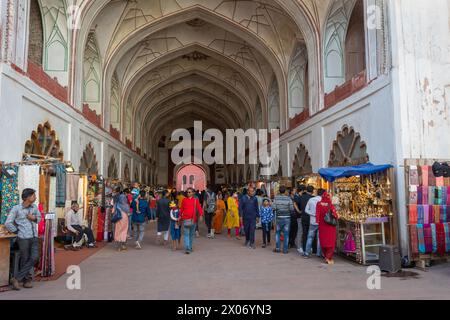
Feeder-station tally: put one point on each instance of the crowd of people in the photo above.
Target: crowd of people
(301, 218)
(298, 217)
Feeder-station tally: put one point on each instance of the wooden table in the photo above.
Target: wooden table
(5, 245)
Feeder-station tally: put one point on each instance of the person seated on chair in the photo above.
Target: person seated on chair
(74, 223)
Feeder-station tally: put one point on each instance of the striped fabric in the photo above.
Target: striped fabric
(421, 238)
(440, 237)
(419, 195)
(431, 195)
(424, 195)
(413, 214)
(414, 239)
(428, 238)
(447, 237)
(424, 175)
(436, 214)
(434, 237)
(426, 214)
(420, 214)
(439, 181)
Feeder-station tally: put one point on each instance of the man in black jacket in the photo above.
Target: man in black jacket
(305, 219)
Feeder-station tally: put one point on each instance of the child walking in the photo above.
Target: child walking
(267, 216)
(175, 230)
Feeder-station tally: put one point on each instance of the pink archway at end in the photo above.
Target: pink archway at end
(191, 176)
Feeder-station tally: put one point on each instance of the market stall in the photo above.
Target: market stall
(428, 201)
(364, 198)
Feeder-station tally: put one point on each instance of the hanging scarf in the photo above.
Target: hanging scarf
(421, 239)
(413, 176)
(420, 214)
(448, 196)
(436, 214)
(444, 195)
(28, 178)
(426, 214)
(420, 195)
(9, 193)
(434, 237)
(425, 195)
(431, 195)
(60, 185)
(424, 175)
(440, 236)
(413, 218)
(447, 237)
(413, 239)
(443, 217)
(428, 237)
(440, 181)
(431, 177)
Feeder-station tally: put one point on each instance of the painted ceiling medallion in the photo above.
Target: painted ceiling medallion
(195, 56)
(196, 23)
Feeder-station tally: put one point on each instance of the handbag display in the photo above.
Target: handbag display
(330, 219)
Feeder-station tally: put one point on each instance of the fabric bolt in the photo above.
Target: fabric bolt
(444, 195)
(425, 195)
(420, 214)
(413, 239)
(424, 175)
(81, 193)
(440, 181)
(431, 195)
(428, 238)
(413, 197)
(440, 238)
(448, 196)
(413, 176)
(100, 225)
(419, 195)
(42, 187)
(434, 237)
(436, 214)
(431, 177)
(52, 202)
(421, 238)
(28, 177)
(413, 218)
(443, 214)
(60, 185)
(447, 237)
(426, 214)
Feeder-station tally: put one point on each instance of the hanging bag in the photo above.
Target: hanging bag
(188, 223)
(349, 243)
(117, 215)
(330, 219)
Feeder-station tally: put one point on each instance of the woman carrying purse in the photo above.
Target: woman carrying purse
(190, 206)
(327, 217)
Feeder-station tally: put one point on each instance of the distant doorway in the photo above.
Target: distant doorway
(191, 176)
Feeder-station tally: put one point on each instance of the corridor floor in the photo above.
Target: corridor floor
(224, 269)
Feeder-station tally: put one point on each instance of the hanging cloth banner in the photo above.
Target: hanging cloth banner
(9, 192)
(60, 185)
(28, 177)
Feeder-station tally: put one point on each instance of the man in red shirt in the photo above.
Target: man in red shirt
(188, 214)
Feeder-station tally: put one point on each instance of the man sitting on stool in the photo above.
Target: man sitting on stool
(74, 223)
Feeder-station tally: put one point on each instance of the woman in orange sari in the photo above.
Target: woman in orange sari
(220, 213)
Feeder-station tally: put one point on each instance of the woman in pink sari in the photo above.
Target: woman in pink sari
(121, 226)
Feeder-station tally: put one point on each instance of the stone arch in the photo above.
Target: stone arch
(112, 168)
(44, 142)
(88, 162)
(302, 162)
(36, 37)
(355, 42)
(126, 173)
(335, 32)
(298, 81)
(348, 149)
(92, 85)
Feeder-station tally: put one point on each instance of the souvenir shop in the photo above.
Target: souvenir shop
(46, 175)
(364, 198)
(428, 200)
(302, 171)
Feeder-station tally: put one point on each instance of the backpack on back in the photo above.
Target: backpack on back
(211, 202)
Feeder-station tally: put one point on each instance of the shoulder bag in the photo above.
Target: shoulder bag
(188, 223)
(330, 219)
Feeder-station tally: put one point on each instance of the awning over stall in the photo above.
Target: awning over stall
(331, 174)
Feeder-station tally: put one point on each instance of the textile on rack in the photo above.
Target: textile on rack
(424, 176)
(420, 195)
(426, 214)
(41, 226)
(100, 224)
(440, 237)
(413, 218)
(81, 194)
(413, 195)
(420, 214)
(436, 214)
(447, 236)
(72, 182)
(447, 182)
(428, 237)
(42, 199)
(434, 237)
(9, 193)
(52, 201)
(424, 195)
(421, 238)
(440, 181)
(448, 196)
(431, 195)
(414, 176)
(431, 177)
(48, 251)
(413, 239)
(60, 185)
(444, 213)
(94, 224)
(28, 177)
(444, 195)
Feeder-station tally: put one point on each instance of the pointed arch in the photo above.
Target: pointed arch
(298, 81)
(348, 149)
(43, 142)
(302, 162)
(88, 162)
(92, 75)
(274, 105)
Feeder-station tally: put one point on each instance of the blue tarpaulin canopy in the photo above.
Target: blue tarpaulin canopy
(331, 174)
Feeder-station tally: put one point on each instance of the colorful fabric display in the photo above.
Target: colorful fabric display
(431, 195)
(420, 214)
(420, 195)
(448, 196)
(431, 177)
(413, 218)
(440, 236)
(414, 176)
(421, 238)
(444, 195)
(414, 239)
(447, 237)
(436, 214)
(9, 193)
(413, 196)
(48, 251)
(428, 237)
(443, 214)
(434, 237)
(424, 175)
(426, 214)
(100, 225)
(440, 181)
(425, 195)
